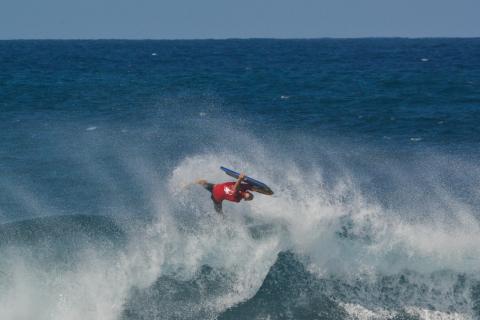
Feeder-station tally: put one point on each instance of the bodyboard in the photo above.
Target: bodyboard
(254, 184)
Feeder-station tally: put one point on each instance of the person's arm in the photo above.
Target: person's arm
(241, 177)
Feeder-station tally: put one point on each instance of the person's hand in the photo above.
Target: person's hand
(241, 176)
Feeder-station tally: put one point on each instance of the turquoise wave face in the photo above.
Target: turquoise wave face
(370, 145)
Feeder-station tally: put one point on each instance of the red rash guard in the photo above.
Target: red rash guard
(225, 191)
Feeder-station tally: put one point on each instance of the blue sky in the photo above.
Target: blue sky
(198, 19)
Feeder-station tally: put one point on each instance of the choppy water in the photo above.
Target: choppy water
(371, 147)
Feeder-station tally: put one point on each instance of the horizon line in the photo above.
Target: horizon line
(239, 38)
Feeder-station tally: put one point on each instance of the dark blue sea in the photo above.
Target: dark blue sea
(372, 147)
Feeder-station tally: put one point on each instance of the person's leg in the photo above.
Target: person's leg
(217, 205)
(208, 186)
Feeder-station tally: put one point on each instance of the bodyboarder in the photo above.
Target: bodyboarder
(230, 191)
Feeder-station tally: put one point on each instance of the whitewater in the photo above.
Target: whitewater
(366, 259)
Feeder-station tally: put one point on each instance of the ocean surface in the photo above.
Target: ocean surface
(372, 147)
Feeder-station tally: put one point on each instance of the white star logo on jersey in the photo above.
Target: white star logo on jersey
(228, 191)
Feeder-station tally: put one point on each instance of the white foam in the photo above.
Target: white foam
(359, 312)
(309, 215)
(306, 215)
(322, 208)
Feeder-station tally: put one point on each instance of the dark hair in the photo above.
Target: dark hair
(250, 196)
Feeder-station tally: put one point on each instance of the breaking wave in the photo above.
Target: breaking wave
(351, 232)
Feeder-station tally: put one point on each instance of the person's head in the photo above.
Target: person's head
(247, 196)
